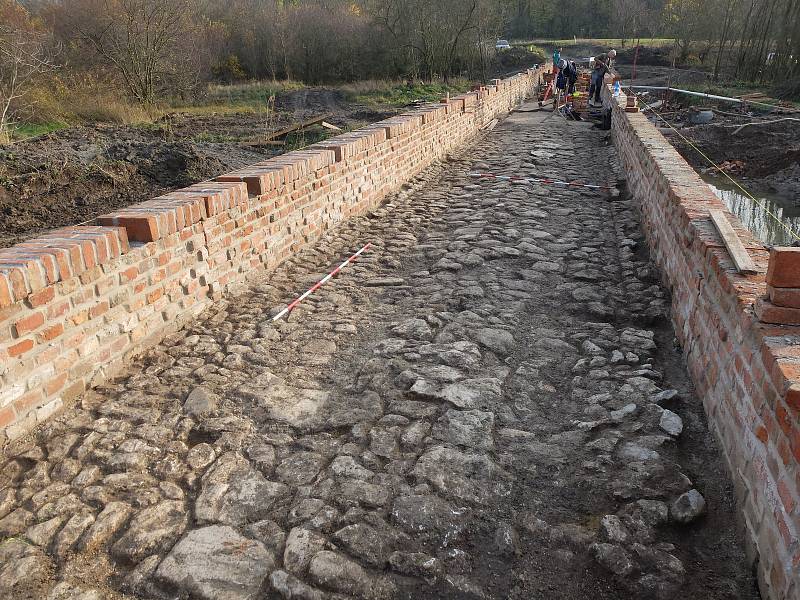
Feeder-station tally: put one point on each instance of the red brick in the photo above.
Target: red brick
(75, 340)
(51, 333)
(42, 297)
(139, 228)
(29, 323)
(55, 384)
(778, 315)
(16, 278)
(786, 297)
(6, 292)
(784, 420)
(128, 275)
(29, 401)
(793, 397)
(98, 310)
(48, 355)
(105, 286)
(58, 310)
(784, 268)
(79, 318)
(6, 417)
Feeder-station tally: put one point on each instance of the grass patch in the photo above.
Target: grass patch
(87, 100)
(252, 94)
(396, 93)
(60, 104)
(24, 131)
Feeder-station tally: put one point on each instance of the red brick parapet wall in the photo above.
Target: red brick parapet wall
(746, 368)
(77, 302)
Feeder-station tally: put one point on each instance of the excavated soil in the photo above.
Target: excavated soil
(76, 174)
(765, 157)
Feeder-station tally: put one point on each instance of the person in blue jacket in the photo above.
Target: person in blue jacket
(556, 59)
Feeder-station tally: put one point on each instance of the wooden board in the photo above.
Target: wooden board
(271, 137)
(296, 127)
(744, 264)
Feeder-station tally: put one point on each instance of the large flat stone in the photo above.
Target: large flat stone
(153, 530)
(235, 493)
(470, 477)
(216, 563)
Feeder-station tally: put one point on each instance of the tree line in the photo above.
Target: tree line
(177, 42)
(158, 48)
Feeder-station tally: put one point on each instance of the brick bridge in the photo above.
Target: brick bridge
(491, 402)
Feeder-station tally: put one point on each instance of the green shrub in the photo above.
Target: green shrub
(396, 93)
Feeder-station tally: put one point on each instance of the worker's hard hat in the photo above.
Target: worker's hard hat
(612, 53)
(562, 64)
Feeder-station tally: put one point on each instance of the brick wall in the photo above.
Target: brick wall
(745, 370)
(77, 302)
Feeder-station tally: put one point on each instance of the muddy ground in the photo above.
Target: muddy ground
(76, 174)
(763, 158)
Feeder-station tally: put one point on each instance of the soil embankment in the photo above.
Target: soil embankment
(765, 157)
(76, 174)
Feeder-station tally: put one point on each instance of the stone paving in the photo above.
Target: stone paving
(487, 405)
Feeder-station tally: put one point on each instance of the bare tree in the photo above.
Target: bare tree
(438, 38)
(625, 15)
(24, 56)
(148, 42)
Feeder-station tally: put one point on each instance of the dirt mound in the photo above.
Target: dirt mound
(656, 57)
(302, 103)
(516, 59)
(75, 175)
(766, 155)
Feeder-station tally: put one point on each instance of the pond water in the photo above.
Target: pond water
(754, 215)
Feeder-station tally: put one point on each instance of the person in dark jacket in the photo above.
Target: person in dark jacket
(571, 75)
(598, 73)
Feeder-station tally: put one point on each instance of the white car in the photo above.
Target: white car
(502, 45)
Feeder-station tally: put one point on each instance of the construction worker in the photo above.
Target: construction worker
(556, 60)
(598, 74)
(561, 78)
(571, 75)
(612, 55)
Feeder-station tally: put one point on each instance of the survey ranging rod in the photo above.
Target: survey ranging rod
(320, 283)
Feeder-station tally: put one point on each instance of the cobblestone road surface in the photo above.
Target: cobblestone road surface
(487, 405)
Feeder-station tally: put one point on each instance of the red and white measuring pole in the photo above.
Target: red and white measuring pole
(320, 283)
(539, 181)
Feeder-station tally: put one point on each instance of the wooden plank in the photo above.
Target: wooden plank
(744, 264)
(296, 127)
(330, 126)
